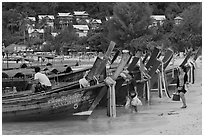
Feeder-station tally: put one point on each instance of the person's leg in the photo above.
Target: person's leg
(33, 88)
(135, 107)
(183, 99)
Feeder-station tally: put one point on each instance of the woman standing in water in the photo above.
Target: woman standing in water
(182, 80)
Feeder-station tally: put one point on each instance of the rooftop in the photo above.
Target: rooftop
(64, 14)
(44, 16)
(178, 18)
(77, 13)
(81, 27)
(158, 17)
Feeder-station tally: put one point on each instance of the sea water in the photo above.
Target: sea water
(97, 124)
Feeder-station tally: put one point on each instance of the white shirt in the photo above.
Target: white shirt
(43, 79)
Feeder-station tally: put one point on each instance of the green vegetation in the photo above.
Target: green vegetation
(129, 27)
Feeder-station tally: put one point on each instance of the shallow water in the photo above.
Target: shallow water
(98, 123)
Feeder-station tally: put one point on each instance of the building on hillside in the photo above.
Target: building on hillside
(49, 19)
(157, 19)
(81, 14)
(81, 17)
(95, 23)
(64, 19)
(81, 30)
(178, 20)
(36, 33)
(32, 19)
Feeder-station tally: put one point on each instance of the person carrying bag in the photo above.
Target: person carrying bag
(181, 86)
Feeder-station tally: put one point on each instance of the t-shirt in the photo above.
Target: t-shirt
(43, 79)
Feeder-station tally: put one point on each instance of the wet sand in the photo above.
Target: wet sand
(161, 117)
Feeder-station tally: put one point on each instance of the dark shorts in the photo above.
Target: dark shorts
(39, 87)
(183, 90)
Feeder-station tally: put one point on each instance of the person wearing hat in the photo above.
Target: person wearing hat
(41, 81)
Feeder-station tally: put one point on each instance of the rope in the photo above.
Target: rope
(112, 105)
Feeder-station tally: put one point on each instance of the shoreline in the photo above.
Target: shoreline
(162, 117)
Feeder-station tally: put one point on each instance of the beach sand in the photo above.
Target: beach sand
(172, 119)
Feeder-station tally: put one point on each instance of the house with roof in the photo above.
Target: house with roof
(81, 30)
(178, 20)
(81, 17)
(35, 33)
(64, 19)
(157, 19)
(48, 18)
(81, 14)
(95, 23)
(31, 19)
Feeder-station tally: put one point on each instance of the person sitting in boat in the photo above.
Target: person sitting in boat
(41, 81)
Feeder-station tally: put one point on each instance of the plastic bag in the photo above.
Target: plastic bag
(136, 101)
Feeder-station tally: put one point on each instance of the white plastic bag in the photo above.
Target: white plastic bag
(136, 102)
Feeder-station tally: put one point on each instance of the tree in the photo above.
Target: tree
(189, 32)
(130, 21)
(66, 37)
(172, 10)
(10, 27)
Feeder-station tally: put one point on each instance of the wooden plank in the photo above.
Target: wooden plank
(100, 64)
(167, 58)
(132, 65)
(145, 58)
(115, 56)
(186, 58)
(103, 91)
(153, 57)
(152, 69)
(199, 52)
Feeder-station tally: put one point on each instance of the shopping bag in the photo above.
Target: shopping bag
(136, 101)
(176, 97)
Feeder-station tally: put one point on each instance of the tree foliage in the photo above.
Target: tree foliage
(130, 21)
(67, 37)
(128, 27)
(189, 32)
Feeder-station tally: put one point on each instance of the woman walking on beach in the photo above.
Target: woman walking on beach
(181, 82)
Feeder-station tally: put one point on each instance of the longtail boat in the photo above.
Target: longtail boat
(59, 102)
(64, 99)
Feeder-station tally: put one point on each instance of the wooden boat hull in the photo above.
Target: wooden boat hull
(55, 104)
